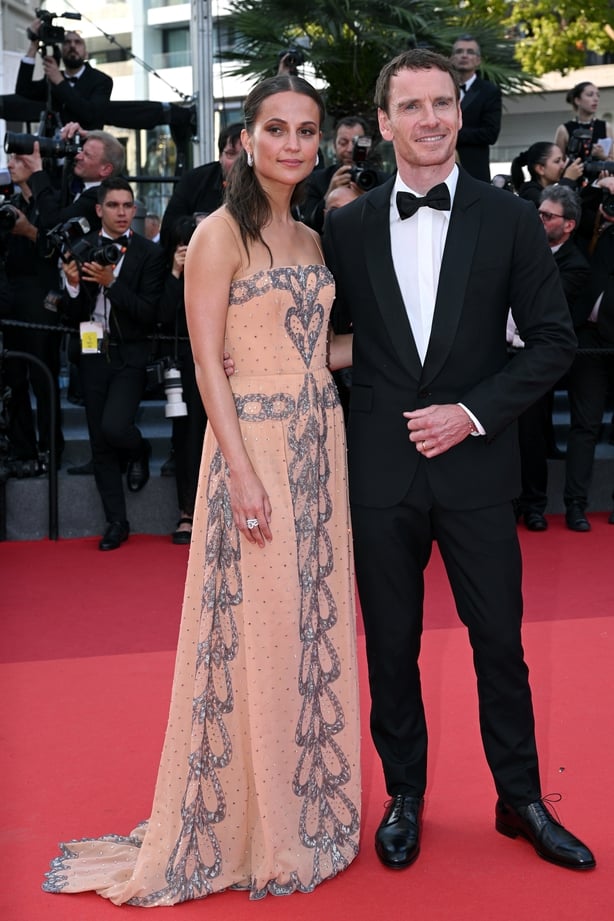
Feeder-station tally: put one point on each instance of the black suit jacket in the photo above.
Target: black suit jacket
(49, 203)
(481, 108)
(496, 257)
(575, 275)
(134, 297)
(200, 189)
(83, 103)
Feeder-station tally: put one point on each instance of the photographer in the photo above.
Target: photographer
(116, 306)
(79, 92)
(324, 181)
(96, 156)
(592, 375)
(189, 428)
(584, 99)
(32, 275)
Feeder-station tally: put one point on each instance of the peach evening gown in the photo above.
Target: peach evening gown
(259, 782)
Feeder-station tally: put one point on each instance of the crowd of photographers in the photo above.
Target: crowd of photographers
(70, 256)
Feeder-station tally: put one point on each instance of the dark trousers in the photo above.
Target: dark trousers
(481, 554)
(590, 378)
(533, 434)
(187, 437)
(112, 390)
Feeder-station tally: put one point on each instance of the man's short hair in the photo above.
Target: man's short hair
(566, 198)
(348, 120)
(230, 134)
(414, 59)
(113, 150)
(466, 37)
(114, 183)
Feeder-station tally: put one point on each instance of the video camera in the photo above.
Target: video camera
(48, 34)
(364, 176)
(580, 146)
(55, 148)
(68, 238)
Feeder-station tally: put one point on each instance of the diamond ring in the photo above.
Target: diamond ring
(252, 523)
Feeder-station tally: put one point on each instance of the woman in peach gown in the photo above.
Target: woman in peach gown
(258, 786)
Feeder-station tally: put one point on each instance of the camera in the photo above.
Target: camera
(607, 204)
(8, 218)
(49, 147)
(69, 240)
(48, 34)
(294, 56)
(580, 145)
(364, 176)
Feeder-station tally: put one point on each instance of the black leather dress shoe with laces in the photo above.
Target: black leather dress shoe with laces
(116, 533)
(137, 474)
(535, 521)
(397, 840)
(545, 833)
(575, 518)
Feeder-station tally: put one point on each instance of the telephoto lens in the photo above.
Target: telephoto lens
(173, 391)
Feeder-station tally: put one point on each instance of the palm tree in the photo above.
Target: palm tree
(346, 42)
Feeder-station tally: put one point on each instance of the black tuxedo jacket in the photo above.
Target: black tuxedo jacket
(481, 108)
(49, 203)
(496, 257)
(134, 296)
(575, 274)
(200, 189)
(82, 103)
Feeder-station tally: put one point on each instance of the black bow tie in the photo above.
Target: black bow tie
(463, 87)
(122, 241)
(438, 197)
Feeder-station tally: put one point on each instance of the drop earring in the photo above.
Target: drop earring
(250, 159)
(317, 159)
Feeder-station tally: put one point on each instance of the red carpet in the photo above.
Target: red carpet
(87, 656)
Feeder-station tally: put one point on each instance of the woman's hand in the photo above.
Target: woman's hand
(250, 503)
(574, 170)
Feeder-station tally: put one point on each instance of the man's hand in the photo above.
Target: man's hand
(71, 273)
(23, 227)
(100, 274)
(52, 70)
(436, 429)
(33, 161)
(70, 129)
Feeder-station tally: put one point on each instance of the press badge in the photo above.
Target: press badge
(91, 335)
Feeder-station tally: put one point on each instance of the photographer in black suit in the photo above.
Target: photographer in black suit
(118, 303)
(79, 92)
(481, 108)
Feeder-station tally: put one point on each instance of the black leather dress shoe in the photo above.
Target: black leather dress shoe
(548, 837)
(137, 474)
(116, 533)
(535, 521)
(575, 518)
(397, 840)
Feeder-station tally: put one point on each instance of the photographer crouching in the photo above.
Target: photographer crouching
(32, 273)
(116, 307)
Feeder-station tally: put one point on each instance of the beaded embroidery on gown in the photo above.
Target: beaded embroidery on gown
(259, 782)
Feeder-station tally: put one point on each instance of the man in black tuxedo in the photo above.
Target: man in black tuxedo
(101, 157)
(433, 443)
(118, 304)
(201, 190)
(559, 210)
(79, 92)
(591, 377)
(481, 107)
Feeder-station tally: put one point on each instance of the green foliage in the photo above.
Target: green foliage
(348, 41)
(553, 35)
